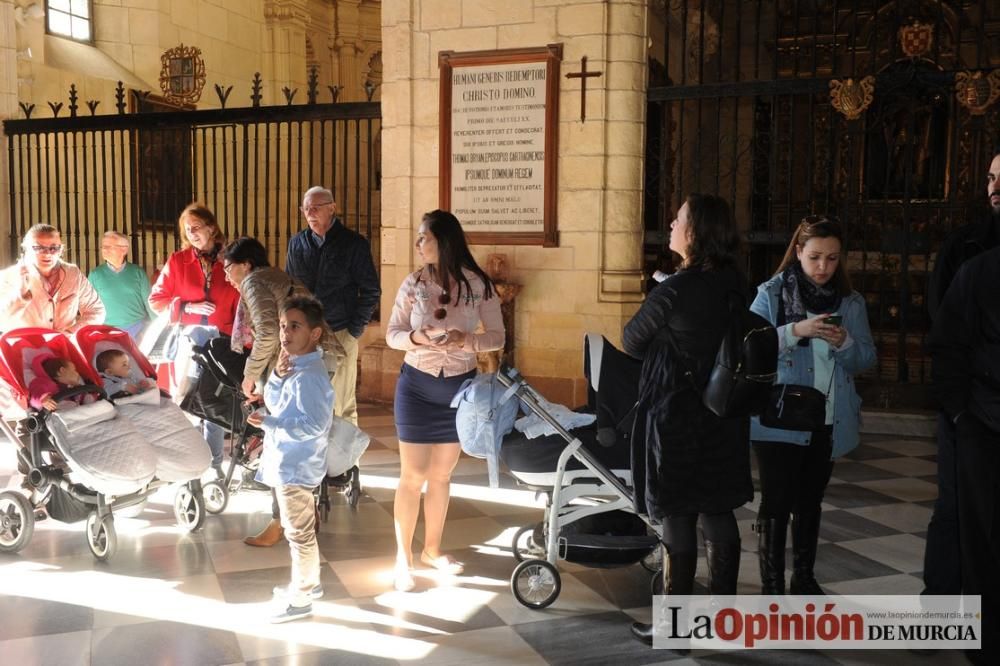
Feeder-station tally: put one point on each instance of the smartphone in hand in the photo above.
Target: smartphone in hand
(834, 320)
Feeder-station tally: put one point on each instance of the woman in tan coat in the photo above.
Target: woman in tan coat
(263, 290)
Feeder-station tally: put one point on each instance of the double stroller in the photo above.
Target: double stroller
(214, 394)
(87, 461)
(586, 477)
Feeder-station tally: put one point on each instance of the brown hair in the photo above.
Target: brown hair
(53, 365)
(203, 214)
(107, 357)
(454, 255)
(819, 226)
(715, 240)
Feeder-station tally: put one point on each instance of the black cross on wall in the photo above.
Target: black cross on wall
(583, 75)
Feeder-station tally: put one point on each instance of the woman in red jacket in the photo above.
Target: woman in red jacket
(192, 286)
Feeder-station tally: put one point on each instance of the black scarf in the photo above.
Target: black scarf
(800, 295)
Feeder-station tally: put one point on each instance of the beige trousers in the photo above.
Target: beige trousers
(345, 380)
(297, 510)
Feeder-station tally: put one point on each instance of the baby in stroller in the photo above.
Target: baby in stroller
(115, 368)
(54, 375)
(182, 454)
(80, 463)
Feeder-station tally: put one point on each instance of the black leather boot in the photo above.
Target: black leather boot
(805, 535)
(723, 566)
(678, 578)
(771, 553)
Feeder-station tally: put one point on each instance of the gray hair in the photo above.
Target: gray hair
(317, 189)
(115, 234)
(38, 230)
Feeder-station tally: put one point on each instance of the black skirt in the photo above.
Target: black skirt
(422, 406)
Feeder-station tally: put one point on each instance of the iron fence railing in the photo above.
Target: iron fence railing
(134, 172)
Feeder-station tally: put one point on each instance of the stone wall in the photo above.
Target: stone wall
(279, 38)
(592, 281)
(8, 107)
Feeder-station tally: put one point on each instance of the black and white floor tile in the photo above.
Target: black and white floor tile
(170, 598)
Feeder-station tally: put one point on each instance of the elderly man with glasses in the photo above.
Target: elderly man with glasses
(122, 286)
(43, 290)
(335, 264)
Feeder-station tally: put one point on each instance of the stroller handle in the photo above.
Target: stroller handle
(509, 376)
(82, 389)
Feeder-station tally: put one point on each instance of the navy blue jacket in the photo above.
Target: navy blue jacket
(340, 273)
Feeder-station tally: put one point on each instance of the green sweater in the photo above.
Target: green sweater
(125, 294)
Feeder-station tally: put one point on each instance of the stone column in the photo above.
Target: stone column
(348, 43)
(284, 54)
(625, 113)
(8, 109)
(379, 364)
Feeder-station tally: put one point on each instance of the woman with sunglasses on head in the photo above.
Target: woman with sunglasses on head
(434, 320)
(43, 290)
(690, 468)
(192, 287)
(823, 341)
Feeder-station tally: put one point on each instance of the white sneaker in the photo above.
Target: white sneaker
(282, 592)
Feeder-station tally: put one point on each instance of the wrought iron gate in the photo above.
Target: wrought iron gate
(134, 172)
(742, 104)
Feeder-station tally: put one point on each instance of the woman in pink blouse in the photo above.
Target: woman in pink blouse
(437, 312)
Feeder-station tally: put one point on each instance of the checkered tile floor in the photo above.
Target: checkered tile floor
(168, 598)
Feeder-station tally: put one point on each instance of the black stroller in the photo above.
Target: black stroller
(586, 477)
(215, 395)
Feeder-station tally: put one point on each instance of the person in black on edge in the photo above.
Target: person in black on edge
(942, 575)
(965, 349)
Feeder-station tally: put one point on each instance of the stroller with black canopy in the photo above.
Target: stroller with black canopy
(215, 395)
(586, 477)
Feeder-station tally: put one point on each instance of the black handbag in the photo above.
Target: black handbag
(794, 407)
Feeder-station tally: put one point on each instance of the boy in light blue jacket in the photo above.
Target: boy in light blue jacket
(299, 402)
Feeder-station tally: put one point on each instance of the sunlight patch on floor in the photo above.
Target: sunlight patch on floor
(156, 599)
(509, 496)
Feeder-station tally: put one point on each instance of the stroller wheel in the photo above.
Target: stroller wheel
(17, 521)
(656, 583)
(216, 496)
(101, 536)
(524, 546)
(189, 509)
(535, 583)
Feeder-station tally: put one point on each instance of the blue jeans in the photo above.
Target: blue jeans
(215, 436)
(942, 554)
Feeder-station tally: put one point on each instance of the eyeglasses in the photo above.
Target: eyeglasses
(227, 266)
(444, 299)
(114, 247)
(308, 210)
(47, 249)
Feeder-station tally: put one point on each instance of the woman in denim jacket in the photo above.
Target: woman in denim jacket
(811, 286)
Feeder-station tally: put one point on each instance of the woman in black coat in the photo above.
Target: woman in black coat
(688, 463)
